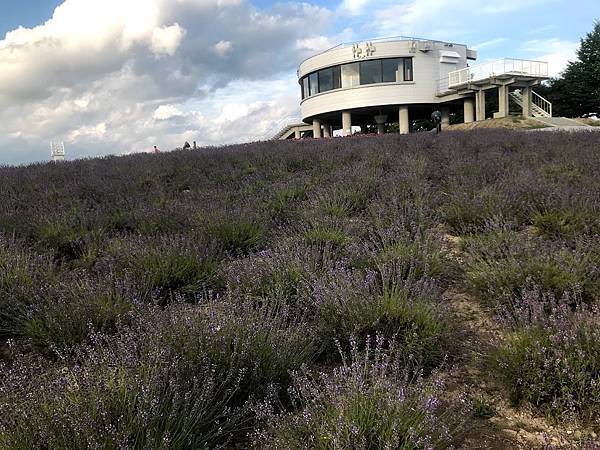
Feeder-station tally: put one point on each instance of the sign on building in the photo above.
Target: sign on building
(363, 50)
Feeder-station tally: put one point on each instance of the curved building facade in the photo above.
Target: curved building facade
(397, 80)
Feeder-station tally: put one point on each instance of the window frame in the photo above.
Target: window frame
(374, 63)
(337, 75)
(322, 71)
(408, 69)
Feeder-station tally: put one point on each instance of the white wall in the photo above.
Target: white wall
(427, 70)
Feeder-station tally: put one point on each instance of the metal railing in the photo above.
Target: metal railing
(541, 103)
(383, 40)
(506, 66)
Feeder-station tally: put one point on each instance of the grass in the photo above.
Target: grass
(296, 294)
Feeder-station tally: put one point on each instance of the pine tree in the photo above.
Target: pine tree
(577, 92)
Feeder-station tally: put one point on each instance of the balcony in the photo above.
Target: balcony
(502, 68)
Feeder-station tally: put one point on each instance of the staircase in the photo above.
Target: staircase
(540, 107)
(285, 131)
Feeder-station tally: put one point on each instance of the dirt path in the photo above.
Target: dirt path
(498, 425)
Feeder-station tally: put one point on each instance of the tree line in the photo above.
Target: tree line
(576, 92)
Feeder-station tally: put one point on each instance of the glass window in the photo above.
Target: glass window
(408, 69)
(325, 80)
(370, 72)
(350, 75)
(305, 89)
(337, 77)
(313, 80)
(392, 70)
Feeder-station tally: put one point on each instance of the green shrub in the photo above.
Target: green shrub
(66, 319)
(269, 276)
(407, 310)
(267, 342)
(63, 240)
(281, 208)
(364, 404)
(500, 266)
(237, 236)
(180, 378)
(321, 234)
(565, 224)
(21, 274)
(482, 409)
(165, 273)
(348, 200)
(422, 254)
(551, 358)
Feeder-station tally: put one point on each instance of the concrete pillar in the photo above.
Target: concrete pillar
(326, 130)
(526, 92)
(297, 133)
(380, 121)
(480, 104)
(316, 128)
(403, 120)
(503, 101)
(469, 110)
(346, 123)
(445, 117)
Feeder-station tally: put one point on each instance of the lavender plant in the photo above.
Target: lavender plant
(551, 355)
(295, 244)
(369, 402)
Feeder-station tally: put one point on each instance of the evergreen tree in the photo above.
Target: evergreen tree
(577, 92)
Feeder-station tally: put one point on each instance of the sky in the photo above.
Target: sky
(119, 76)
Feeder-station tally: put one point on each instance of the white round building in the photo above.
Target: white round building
(398, 80)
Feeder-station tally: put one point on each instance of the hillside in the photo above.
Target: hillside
(511, 123)
(414, 291)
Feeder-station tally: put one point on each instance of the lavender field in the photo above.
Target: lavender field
(393, 292)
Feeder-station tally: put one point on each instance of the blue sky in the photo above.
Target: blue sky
(118, 76)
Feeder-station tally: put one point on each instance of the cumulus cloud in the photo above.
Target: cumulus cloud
(222, 48)
(122, 75)
(166, 112)
(166, 40)
(557, 52)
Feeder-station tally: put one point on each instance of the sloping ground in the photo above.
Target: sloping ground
(227, 297)
(502, 426)
(590, 122)
(562, 122)
(511, 123)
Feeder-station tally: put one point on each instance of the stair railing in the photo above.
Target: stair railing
(541, 103)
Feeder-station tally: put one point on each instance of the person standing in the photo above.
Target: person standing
(436, 117)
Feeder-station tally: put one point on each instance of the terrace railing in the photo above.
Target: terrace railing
(506, 66)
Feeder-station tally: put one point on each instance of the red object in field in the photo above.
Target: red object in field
(156, 150)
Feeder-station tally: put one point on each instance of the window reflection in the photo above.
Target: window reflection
(408, 69)
(305, 89)
(350, 75)
(370, 72)
(388, 70)
(313, 82)
(325, 80)
(393, 70)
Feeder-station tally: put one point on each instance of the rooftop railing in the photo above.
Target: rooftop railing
(381, 40)
(506, 66)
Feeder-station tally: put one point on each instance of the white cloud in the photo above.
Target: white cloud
(222, 48)
(166, 40)
(558, 53)
(166, 112)
(353, 7)
(123, 75)
(490, 43)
